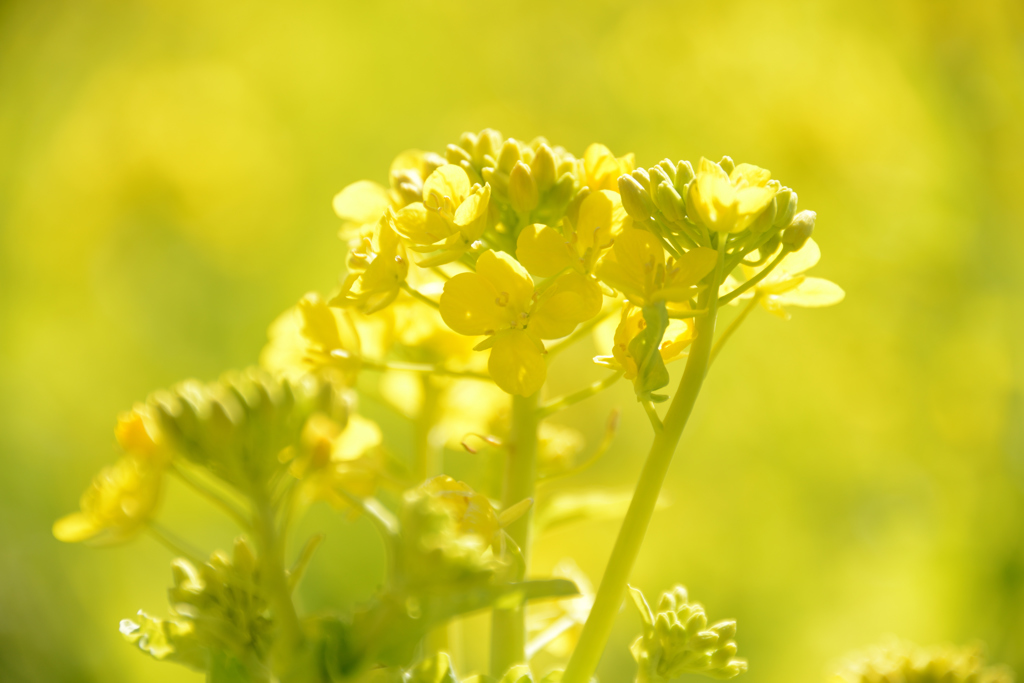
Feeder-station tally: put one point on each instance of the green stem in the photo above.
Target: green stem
(419, 296)
(733, 326)
(761, 274)
(229, 508)
(508, 625)
(424, 367)
(555, 405)
(612, 591)
(275, 582)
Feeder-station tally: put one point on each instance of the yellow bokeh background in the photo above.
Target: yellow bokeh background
(166, 174)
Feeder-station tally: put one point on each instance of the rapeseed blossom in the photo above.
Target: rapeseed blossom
(728, 202)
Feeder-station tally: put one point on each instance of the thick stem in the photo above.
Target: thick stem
(275, 583)
(609, 596)
(508, 626)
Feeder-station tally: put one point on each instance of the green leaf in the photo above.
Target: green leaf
(641, 604)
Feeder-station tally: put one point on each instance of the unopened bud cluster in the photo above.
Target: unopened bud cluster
(678, 640)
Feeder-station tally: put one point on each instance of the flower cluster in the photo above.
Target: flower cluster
(468, 270)
(902, 662)
(524, 244)
(677, 640)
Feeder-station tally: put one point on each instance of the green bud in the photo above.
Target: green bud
(684, 174)
(658, 176)
(727, 164)
(543, 168)
(668, 168)
(640, 175)
(697, 622)
(635, 199)
(522, 190)
(799, 231)
(509, 157)
(764, 221)
(488, 143)
(572, 212)
(767, 249)
(454, 154)
(669, 201)
(560, 194)
(497, 180)
(245, 558)
(786, 200)
(726, 630)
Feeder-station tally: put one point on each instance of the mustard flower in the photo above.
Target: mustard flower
(638, 268)
(728, 202)
(599, 169)
(500, 301)
(786, 284)
(336, 463)
(544, 251)
(678, 336)
(361, 204)
(451, 217)
(124, 496)
(377, 269)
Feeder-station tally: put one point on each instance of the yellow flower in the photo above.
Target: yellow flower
(338, 463)
(637, 267)
(361, 204)
(472, 512)
(117, 505)
(599, 169)
(124, 496)
(499, 300)
(377, 271)
(787, 285)
(678, 336)
(545, 251)
(728, 202)
(311, 337)
(451, 217)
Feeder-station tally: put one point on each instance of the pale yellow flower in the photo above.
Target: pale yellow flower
(378, 267)
(499, 300)
(728, 202)
(599, 169)
(637, 267)
(678, 337)
(787, 285)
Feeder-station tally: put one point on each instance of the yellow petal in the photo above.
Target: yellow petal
(692, 266)
(750, 175)
(543, 250)
(801, 260)
(447, 181)
(601, 216)
(362, 202)
(471, 216)
(639, 253)
(469, 305)
(421, 225)
(516, 364)
(570, 300)
(75, 528)
(509, 279)
(359, 436)
(813, 292)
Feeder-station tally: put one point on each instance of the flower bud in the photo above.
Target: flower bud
(640, 175)
(786, 200)
(799, 231)
(522, 190)
(509, 156)
(489, 142)
(669, 201)
(727, 164)
(543, 168)
(635, 199)
(454, 154)
(669, 168)
(560, 193)
(764, 221)
(684, 174)
(769, 247)
(658, 176)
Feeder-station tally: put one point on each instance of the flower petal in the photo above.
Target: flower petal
(813, 292)
(469, 305)
(509, 279)
(471, 216)
(420, 225)
(362, 202)
(516, 364)
(543, 250)
(570, 300)
(447, 181)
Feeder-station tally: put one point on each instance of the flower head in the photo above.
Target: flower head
(728, 202)
(638, 267)
(500, 301)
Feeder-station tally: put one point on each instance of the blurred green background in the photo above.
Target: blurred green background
(166, 174)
